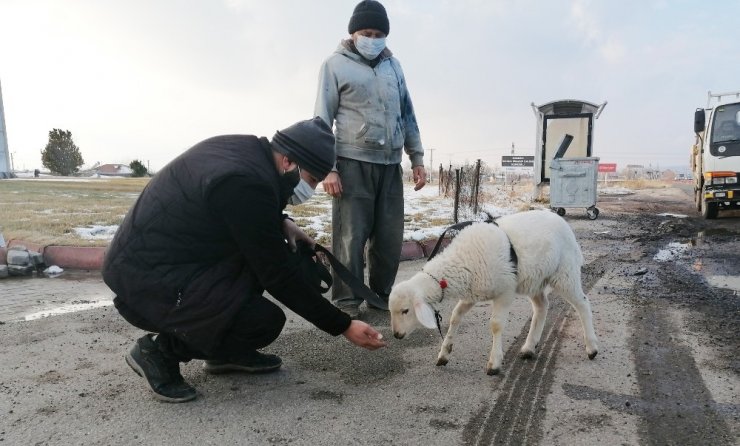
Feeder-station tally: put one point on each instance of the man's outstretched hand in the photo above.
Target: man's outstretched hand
(363, 335)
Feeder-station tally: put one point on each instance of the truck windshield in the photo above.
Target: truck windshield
(726, 127)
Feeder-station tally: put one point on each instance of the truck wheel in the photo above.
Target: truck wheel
(708, 210)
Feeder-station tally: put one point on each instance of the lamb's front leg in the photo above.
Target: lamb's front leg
(461, 308)
(500, 311)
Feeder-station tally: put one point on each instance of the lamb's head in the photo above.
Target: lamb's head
(409, 307)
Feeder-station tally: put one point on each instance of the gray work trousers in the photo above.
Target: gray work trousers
(369, 211)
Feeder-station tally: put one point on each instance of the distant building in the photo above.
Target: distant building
(113, 170)
(635, 171)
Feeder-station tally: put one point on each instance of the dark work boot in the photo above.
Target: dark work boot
(384, 298)
(162, 373)
(252, 362)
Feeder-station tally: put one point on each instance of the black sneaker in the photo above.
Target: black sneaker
(162, 373)
(252, 362)
(352, 311)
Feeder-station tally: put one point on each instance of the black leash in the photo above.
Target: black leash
(457, 226)
(437, 316)
(358, 286)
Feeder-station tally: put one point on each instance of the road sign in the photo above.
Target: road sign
(607, 167)
(517, 161)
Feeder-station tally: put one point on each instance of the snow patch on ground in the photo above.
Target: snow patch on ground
(672, 251)
(70, 308)
(97, 232)
(667, 214)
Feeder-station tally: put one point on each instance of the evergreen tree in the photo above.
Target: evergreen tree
(138, 169)
(61, 155)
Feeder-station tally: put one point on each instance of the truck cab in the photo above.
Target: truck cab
(715, 155)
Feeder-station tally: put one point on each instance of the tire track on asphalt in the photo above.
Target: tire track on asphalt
(526, 383)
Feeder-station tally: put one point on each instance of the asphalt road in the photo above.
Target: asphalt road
(664, 294)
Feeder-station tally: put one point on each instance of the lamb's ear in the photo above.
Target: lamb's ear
(424, 313)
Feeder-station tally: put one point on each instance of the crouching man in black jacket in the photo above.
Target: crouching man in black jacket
(205, 239)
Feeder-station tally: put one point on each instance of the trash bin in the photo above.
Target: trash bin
(573, 184)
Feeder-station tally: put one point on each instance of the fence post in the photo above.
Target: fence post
(457, 193)
(476, 187)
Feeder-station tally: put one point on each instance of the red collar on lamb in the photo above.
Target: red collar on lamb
(442, 284)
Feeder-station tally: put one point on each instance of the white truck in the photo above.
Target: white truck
(715, 155)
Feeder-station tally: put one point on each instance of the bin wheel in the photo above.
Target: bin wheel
(592, 213)
(561, 211)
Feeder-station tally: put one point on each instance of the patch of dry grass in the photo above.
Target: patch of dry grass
(644, 184)
(47, 211)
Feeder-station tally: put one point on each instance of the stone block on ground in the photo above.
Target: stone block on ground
(19, 256)
(4, 271)
(18, 270)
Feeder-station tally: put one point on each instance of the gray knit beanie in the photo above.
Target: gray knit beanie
(369, 14)
(309, 143)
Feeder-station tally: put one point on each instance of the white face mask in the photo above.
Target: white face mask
(369, 47)
(301, 193)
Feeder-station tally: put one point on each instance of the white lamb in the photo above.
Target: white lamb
(479, 265)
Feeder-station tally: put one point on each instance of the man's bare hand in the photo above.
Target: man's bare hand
(363, 335)
(292, 232)
(333, 184)
(420, 177)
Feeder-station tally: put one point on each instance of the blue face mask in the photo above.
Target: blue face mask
(369, 47)
(302, 192)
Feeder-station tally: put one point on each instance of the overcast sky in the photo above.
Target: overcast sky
(146, 79)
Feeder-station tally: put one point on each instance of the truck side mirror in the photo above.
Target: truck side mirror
(699, 122)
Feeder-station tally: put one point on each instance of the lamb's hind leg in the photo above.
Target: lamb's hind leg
(540, 304)
(461, 308)
(573, 293)
(500, 311)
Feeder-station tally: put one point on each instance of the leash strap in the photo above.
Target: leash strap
(457, 226)
(357, 286)
(438, 318)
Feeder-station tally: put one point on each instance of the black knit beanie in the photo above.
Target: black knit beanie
(309, 143)
(369, 14)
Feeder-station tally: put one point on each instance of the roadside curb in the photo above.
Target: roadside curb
(91, 258)
(72, 257)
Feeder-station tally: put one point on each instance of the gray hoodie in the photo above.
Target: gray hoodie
(374, 117)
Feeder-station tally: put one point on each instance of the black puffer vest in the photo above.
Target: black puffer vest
(172, 264)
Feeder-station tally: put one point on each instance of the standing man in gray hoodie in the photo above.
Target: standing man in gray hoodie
(362, 93)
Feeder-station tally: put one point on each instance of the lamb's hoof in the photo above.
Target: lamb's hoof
(527, 354)
(491, 372)
(441, 361)
(449, 349)
(593, 355)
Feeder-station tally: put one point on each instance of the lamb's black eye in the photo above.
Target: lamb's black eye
(406, 311)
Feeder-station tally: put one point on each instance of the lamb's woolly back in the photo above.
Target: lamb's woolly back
(546, 248)
(468, 262)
